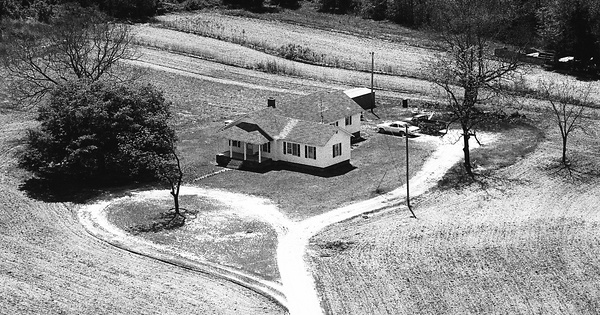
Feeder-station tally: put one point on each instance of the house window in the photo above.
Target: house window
(348, 120)
(234, 143)
(291, 148)
(266, 147)
(334, 124)
(337, 149)
(310, 152)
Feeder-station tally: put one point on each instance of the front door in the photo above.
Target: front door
(249, 148)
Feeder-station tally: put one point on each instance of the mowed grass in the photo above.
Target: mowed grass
(200, 109)
(379, 167)
(526, 242)
(212, 232)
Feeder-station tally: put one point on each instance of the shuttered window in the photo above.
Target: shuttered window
(337, 149)
(310, 152)
(291, 148)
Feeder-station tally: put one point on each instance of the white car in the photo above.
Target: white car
(397, 127)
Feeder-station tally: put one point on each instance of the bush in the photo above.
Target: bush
(99, 132)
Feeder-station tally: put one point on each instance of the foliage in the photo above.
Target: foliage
(572, 28)
(246, 4)
(80, 43)
(290, 4)
(100, 132)
(337, 6)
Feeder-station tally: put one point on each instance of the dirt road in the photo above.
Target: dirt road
(51, 265)
(298, 293)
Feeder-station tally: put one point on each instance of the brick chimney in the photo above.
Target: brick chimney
(271, 102)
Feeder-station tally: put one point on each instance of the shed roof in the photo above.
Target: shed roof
(356, 92)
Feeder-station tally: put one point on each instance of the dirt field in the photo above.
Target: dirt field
(50, 265)
(525, 243)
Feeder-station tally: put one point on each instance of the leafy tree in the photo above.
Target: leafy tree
(567, 102)
(467, 69)
(100, 132)
(246, 4)
(572, 28)
(337, 6)
(290, 4)
(80, 43)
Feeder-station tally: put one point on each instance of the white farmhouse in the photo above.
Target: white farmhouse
(313, 131)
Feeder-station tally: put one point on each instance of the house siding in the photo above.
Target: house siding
(324, 154)
(353, 128)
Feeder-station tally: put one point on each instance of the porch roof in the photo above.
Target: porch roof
(239, 134)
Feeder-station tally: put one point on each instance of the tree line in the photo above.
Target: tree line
(566, 27)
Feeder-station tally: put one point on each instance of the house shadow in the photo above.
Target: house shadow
(332, 171)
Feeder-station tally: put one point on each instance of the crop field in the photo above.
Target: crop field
(524, 241)
(51, 265)
(308, 44)
(521, 239)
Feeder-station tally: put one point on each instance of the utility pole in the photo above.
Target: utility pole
(372, 84)
(372, 71)
(407, 176)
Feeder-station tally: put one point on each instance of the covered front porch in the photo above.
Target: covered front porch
(246, 146)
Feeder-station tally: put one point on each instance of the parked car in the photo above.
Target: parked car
(427, 125)
(397, 127)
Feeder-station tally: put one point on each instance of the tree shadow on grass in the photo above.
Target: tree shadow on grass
(168, 220)
(48, 190)
(576, 170)
(488, 181)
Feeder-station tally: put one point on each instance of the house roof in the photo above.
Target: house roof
(239, 134)
(308, 132)
(264, 125)
(325, 107)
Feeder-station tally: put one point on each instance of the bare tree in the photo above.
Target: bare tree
(79, 43)
(468, 72)
(172, 173)
(567, 101)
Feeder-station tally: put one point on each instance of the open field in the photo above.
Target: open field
(325, 47)
(395, 52)
(524, 242)
(51, 265)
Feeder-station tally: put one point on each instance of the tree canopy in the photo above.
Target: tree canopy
(100, 132)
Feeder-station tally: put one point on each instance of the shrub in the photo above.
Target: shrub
(99, 132)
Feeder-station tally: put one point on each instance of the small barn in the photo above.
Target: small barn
(362, 97)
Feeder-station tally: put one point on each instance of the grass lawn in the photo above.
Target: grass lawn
(212, 232)
(379, 163)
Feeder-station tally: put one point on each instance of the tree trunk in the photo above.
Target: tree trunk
(564, 150)
(467, 152)
(176, 202)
